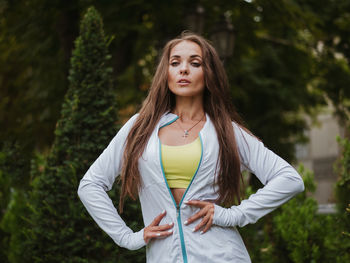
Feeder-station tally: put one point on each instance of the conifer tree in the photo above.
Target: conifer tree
(61, 229)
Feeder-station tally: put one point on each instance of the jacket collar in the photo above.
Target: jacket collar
(168, 117)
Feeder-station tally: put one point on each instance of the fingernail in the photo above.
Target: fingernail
(201, 232)
(186, 202)
(193, 230)
(170, 231)
(158, 234)
(163, 212)
(170, 224)
(186, 222)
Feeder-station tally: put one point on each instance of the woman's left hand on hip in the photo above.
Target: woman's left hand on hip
(206, 212)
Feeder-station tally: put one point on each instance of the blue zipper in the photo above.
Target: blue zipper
(178, 211)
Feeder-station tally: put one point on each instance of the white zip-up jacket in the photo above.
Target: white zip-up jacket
(222, 243)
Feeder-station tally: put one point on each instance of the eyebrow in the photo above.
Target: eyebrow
(192, 56)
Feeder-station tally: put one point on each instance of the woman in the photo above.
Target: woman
(183, 155)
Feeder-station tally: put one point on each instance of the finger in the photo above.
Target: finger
(162, 227)
(160, 234)
(202, 223)
(154, 229)
(158, 218)
(208, 225)
(196, 216)
(148, 235)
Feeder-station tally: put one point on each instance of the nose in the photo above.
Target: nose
(184, 70)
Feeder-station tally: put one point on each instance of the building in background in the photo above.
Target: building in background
(320, 155)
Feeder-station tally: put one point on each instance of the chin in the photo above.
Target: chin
(187, 92)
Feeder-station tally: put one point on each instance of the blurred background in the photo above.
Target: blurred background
(65, 68)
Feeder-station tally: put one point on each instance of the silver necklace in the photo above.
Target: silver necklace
(186, 132)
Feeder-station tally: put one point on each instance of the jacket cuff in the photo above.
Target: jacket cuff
(224, 217)
(138, 240)
(133, 241)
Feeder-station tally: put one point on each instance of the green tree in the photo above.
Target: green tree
(343, 186)
(333, 53)
(13, 199)
(272, 59)
(32, 85)
(60, 228)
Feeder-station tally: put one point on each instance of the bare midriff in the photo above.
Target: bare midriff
(178, 194)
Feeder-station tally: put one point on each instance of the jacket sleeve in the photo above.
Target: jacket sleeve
(100, 178)
(281, 182)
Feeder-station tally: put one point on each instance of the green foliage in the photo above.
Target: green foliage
(33, 72)
(60, 228)
(15, 223)
(343, 187)
(13, 186)
(303, 232)
(297, 233)
(343, 171)
(272, 74)
(13, 165)
(4, 200)
(333, 54)
(347, 233)
(275, 58)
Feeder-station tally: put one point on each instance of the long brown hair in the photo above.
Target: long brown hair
(217, 104)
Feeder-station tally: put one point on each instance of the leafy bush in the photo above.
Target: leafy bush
(297, 233)
(343, 185)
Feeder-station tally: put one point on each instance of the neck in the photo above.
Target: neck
(189, 108)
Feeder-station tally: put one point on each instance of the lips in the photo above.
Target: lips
(184, 82)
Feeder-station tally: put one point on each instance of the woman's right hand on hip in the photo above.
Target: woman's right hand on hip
(154, 230)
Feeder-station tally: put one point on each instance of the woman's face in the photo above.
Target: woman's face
(185, 72)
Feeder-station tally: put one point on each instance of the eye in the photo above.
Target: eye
(174, 63)
(196, 64)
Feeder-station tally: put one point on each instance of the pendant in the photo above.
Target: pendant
(185, 134)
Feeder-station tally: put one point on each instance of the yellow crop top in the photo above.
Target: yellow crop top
(180, 163)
